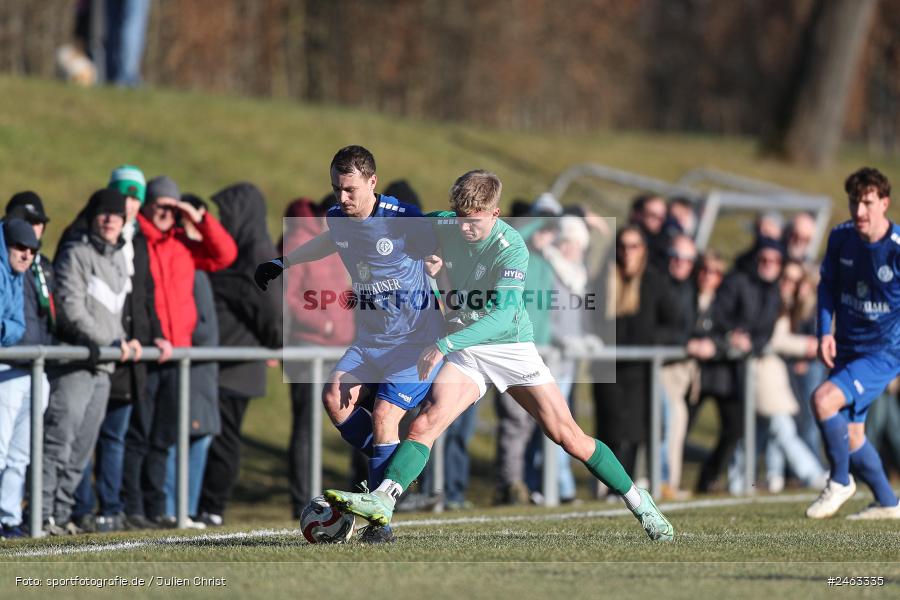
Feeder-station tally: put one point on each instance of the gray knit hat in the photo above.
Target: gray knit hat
(162, 187)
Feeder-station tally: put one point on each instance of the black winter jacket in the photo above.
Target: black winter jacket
(746, 302)
(247, 316)
(622, 407)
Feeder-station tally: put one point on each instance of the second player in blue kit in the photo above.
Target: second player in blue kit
(859, 339)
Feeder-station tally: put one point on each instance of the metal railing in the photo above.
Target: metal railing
(316, 356)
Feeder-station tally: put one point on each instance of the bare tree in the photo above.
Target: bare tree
(812, 117)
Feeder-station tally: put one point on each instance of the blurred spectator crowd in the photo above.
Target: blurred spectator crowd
(144, 264)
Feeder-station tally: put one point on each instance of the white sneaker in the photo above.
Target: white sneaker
(775, 483)
(192, 524)
(876, 511)
(831, 499)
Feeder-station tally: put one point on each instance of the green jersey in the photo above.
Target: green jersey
(487, 278)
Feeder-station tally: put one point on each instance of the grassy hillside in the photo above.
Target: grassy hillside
(63, 141)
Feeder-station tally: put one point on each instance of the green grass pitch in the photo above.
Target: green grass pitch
(735, 548)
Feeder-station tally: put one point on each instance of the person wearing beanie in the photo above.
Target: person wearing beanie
(744, 313)
(101, 483)
(174, 259)
(19, 249)
(92, 284)
(130, 181)
(28, 206)
(12, 321)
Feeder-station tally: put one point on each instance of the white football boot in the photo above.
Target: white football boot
(831, 499)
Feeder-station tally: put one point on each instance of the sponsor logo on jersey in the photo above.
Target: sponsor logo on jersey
(377, 287)
(847, 262)
(342, 244)
(862, 290)
(384, 246)
(885, 273)
(364, 272)
(512, 274)
(480, 270)
(868, 307)
(859, 387)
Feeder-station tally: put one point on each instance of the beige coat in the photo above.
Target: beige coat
(773, 387)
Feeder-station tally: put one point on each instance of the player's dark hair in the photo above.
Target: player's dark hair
(354, 158)
(860, 181)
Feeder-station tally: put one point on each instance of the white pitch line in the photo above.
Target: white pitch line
(264, 533)
(613, 512)
(138, 544)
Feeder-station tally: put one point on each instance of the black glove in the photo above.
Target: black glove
(267, 271)
(93, 353)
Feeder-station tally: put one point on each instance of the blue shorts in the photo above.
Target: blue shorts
(393, 369)
(862, 379)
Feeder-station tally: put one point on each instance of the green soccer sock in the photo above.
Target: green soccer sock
(604, 465)
(407, 463)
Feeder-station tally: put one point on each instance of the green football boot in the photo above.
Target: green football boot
(655, 524)
(375, 507)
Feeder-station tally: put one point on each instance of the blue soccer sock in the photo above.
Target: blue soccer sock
(357, 430)
(866, 464)
(381, 456)
(837, 447)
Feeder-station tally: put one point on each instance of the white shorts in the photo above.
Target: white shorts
(504, 365)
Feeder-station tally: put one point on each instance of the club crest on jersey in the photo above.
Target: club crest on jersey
(363, 269)
(885, 273)
(384, 246)
(480, 270)
(862, 290)
(449, 264)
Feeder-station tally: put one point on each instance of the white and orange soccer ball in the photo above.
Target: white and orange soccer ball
(323, 524)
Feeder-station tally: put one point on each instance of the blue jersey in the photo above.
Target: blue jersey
(860, 287)
(383, 254)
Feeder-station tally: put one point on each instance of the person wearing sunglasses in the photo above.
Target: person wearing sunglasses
(743, 318)
(18, 245)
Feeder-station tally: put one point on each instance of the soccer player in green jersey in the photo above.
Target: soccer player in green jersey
(490, 338)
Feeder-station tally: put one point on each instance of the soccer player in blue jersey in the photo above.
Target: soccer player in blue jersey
(859, 340)
(381, 242)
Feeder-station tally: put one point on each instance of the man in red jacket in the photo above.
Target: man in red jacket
(174, 257)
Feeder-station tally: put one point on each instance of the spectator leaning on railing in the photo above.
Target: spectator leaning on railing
(204, 390)
(678, 376)
(174, 258)
(129, 382)
(92, 283)
(775, 400)
(743, 315)
(18, 246)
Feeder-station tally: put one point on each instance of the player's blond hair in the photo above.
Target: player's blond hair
(475, 191)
